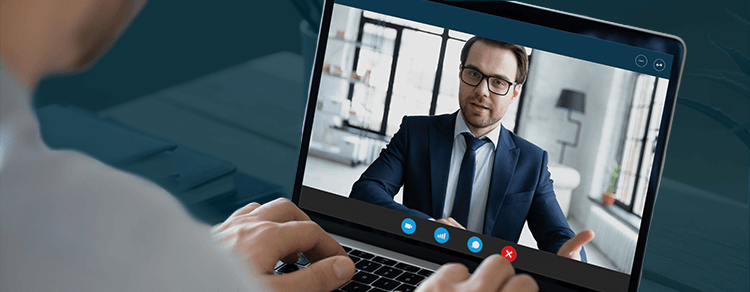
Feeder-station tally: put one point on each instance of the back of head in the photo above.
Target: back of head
(47, 37)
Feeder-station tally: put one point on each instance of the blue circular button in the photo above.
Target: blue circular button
(408, 226)
(441, 235)
(475, 244)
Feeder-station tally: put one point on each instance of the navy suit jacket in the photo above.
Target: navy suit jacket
(418, 158)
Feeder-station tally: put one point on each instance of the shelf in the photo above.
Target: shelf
(358, 44)
(349, 79)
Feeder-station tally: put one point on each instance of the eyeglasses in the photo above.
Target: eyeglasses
(496, 85)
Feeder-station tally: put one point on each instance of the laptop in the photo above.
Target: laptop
(579, 145)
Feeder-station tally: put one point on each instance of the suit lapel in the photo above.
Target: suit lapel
(506, 157)
(441, 145)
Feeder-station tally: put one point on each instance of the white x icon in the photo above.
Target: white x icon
(508, 254)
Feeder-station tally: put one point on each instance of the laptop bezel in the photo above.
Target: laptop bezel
(627, 35)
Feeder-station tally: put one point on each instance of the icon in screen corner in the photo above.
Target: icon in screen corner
(509, 253)
(408, 226)
(441, 235)
(641, 61)
(659, 65)
(475, 244)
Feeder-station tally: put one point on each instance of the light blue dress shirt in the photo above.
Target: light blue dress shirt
(482, 175)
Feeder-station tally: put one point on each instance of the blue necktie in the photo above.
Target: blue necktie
(462, 201)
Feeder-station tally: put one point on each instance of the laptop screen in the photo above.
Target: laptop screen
(481, 134)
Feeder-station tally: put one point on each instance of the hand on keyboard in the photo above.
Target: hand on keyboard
(494, 274)
(261, 235)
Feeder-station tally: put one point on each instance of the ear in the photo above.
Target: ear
(516, 90)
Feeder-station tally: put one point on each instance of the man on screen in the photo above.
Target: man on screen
(466, 170)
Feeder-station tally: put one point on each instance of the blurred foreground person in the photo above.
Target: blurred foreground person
(71, 223)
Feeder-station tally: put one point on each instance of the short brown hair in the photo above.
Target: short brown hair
(518, 51)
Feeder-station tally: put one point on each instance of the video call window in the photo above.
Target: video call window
(378, 69)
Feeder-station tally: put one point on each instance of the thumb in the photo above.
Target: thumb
(324, 275)
(572, 247)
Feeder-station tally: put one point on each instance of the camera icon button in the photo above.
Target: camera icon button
(408, 226)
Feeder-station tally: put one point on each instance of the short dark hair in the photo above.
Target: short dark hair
(518, 51)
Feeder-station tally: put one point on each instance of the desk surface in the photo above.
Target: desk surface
(250, 114)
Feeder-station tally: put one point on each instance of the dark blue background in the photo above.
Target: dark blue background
(175, 41)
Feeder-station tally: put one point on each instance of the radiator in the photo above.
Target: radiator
(613, 238)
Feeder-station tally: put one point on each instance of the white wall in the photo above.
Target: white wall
(608, 92)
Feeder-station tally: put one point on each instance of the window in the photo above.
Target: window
(637, 152)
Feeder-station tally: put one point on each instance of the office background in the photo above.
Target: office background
(699, 239)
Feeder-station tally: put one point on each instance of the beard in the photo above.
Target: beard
(478, 120)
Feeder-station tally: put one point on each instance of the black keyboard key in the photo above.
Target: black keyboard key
(368, 266)
(407, 267)
(409, 278)
(354, 259)
(386, 284)
(406, 288)
(302, 266)
(373, 289)
(385, 261)
(347, 249)
(302, 261)
(287, 268)
(425, 273)
(355, 287)
(388, 272)
(364, 277)
(361, 254)
(278, 264)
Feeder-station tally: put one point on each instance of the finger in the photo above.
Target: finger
(491, 274)
(446, 278)
(301, 237)
(280, 210)
(520, 283)
(455, 223)
(452, 273)
(573, 246)
(292, 258)
(246, 209)
(325, 275)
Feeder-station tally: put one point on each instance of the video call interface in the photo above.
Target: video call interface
(573, 150)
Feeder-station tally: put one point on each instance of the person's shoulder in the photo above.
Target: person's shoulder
(417, 121)
(525, 145)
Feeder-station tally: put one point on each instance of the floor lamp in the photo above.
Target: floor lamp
(572, 101)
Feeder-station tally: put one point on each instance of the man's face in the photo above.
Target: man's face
(482, 109)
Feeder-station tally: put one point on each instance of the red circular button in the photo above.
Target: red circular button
(509, 253)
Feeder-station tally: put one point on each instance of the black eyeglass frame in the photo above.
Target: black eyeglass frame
(484, 76)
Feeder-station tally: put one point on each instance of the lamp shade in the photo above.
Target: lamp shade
(572, 100)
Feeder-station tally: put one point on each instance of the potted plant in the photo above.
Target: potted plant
(608, 197)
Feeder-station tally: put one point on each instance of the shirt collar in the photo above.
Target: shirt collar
(461, 127)
(17, 120)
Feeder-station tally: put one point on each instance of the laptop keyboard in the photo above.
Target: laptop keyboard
(374, 273)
